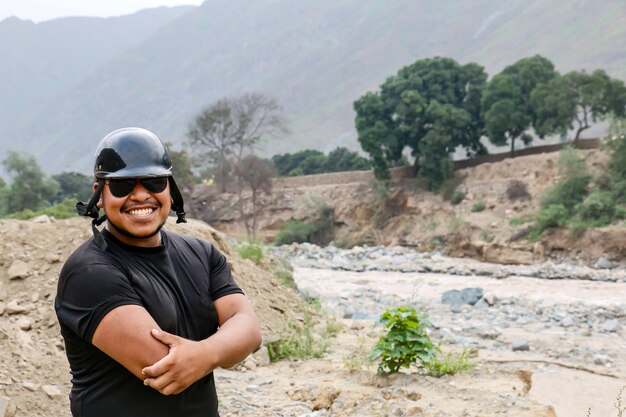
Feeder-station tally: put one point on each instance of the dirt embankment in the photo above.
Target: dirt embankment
(34, 374)
(416, 218)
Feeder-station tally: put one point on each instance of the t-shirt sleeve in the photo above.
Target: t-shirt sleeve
(222, 282)
(89, 293)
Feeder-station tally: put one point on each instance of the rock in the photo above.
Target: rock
(600, 359)
(490, 298)
(466, 296)
(25, 323)
(520, 345)
(31, 386)
(43, 219)
(249, 364)
(14, 308)
(326, 397)
(18, 269)
(611, 325)
(603, 263)
(4, 293)
(567, 321)
(262, 356)
(52, 391)
(3, 308)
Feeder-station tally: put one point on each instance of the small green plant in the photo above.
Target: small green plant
(406, 341)
(449, 186)
(300, 341)
(517, 221)
(457, 198)
(251, 250)
(478, 207)
(455, 224)
(449, 364)
(485, 236)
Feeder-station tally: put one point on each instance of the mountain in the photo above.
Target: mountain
(316, 58)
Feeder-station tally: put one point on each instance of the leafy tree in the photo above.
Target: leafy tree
(311, 161)
(29, 189)
(231, 127)
(305, 162)
(506, 100)
(575, 100)
(342, 159)
(73, 185)
(421, 99)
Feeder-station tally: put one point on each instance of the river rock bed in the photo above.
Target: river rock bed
(359, 284)
(403, 259)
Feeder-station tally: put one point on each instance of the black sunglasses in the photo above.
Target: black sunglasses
(121, 187)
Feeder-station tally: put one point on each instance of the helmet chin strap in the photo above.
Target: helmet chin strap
(179, 205)
(91, 210)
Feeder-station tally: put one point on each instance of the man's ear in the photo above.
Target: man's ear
(95, 188)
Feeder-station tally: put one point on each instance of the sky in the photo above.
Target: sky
(41, 10)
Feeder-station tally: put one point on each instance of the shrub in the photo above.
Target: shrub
(252, 251)
(517, 190)
(555, 215)
(449, 186)
(64, 210)
(599, 209)
(406, 342)
(568, 193)
(320, 231)
(478, 207)
(301, 341)
(457, 198)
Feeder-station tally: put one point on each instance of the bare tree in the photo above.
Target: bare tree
(227, 130)
(256, 174)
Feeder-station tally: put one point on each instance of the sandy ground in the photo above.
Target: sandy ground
(571, 392)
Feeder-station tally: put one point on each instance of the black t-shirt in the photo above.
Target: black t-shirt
(176, 283)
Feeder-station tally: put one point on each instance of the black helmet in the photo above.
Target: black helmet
(130, 152)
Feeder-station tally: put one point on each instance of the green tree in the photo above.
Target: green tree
(29, 188)
(576, 100)
(506, 100)
(73, 185)
(342, 159)
(422, 97)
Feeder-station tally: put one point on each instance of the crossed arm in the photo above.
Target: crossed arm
(169, 363)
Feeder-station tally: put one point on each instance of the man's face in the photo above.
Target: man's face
(136, 218)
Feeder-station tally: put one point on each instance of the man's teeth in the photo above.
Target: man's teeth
(141, 212)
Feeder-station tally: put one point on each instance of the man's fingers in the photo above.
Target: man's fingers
(157, 368)
(164, 386)
(164, 337)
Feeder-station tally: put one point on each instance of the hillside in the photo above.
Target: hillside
(408, 216)
(315, 58)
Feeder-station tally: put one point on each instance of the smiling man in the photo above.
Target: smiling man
(147, 315)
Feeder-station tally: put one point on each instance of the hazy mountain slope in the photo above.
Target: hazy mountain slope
(45, 59)
(315, 57)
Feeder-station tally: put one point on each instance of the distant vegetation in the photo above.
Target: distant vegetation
(579, 200)
(310, 161)
(436, 105)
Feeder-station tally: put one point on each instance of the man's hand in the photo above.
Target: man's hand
(185, 364)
